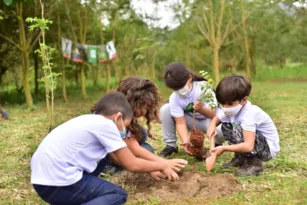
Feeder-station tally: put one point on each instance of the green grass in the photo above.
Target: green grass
(283, 182)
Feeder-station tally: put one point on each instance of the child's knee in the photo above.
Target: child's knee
(164, 111)
(122, 194)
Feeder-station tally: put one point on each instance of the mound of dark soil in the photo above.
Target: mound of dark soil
(190, 185)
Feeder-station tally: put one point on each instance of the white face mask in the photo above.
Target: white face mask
(232, 111)
(184, 91)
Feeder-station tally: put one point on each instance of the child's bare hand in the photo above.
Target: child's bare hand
(170, 174)
(211, 132)
(157, 175)
(185, 147)
(198, 105)
(177, 164)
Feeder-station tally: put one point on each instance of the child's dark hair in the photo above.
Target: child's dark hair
(232, 88)
(176, 75)
(140, 92)
(113, 103)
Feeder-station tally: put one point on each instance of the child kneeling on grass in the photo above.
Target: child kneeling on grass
(251, 133)
(65, 166)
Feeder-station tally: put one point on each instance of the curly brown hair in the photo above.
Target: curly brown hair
(140, 93)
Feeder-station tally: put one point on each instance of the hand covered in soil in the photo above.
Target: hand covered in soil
(198, 105)
(157, 175)
(218, 150)
(186, 148)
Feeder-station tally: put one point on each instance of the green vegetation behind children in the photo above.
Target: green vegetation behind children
(251, 133)
(65, 166)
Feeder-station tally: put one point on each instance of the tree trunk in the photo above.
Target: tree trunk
(246, 46)
(35, 57)
(26, 81)
(77, 76)
(252, 52)
(216, 64)
(63, 80)
(61, 59)
(83, 89)
(108, 76)
(95, 74)
(83, 31)
(233, 64)
(24, 55)
(246, 55)
(153, 69)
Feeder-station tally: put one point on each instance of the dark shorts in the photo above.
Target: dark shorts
(234, 135)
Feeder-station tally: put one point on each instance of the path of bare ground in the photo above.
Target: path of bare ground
(190, 185)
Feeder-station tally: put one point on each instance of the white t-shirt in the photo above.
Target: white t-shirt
(181, 104)
(73, 147)
(252, 118)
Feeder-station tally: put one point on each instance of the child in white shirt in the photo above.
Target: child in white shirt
(184, 102)
(65, 166)
(251, 133)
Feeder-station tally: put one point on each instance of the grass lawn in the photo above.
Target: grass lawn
(283, 182)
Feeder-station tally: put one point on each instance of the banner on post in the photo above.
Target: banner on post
(66, 48)
(111, 50)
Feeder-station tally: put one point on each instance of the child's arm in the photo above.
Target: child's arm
(246, 146)
(143, 153)
(134, 164)
(182, 130)
(206, 111)
(211, 131)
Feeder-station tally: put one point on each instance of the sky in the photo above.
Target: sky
(162, 10)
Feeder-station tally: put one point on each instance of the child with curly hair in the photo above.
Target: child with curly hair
(143, 96)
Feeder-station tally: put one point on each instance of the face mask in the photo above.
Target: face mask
(123, 133)
(232, 111)
(184, 91)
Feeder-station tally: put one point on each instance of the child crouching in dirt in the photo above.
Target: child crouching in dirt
(65, 166)
(143, 96)
(251, 133)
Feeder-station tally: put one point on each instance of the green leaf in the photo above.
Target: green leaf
(8, 2)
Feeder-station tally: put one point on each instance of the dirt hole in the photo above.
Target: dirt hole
(190, 184)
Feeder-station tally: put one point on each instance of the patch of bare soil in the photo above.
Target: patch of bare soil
(284, 80)
(190, 185)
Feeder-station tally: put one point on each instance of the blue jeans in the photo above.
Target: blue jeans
(143, 142)
(90, 190)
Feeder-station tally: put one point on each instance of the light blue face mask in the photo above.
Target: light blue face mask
(123, 133)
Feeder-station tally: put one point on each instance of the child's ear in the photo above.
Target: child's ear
(119, 117)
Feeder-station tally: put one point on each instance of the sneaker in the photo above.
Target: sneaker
(168, 150)
(251, 167)
(236, 161)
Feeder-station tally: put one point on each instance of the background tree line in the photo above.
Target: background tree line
(214, 35)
